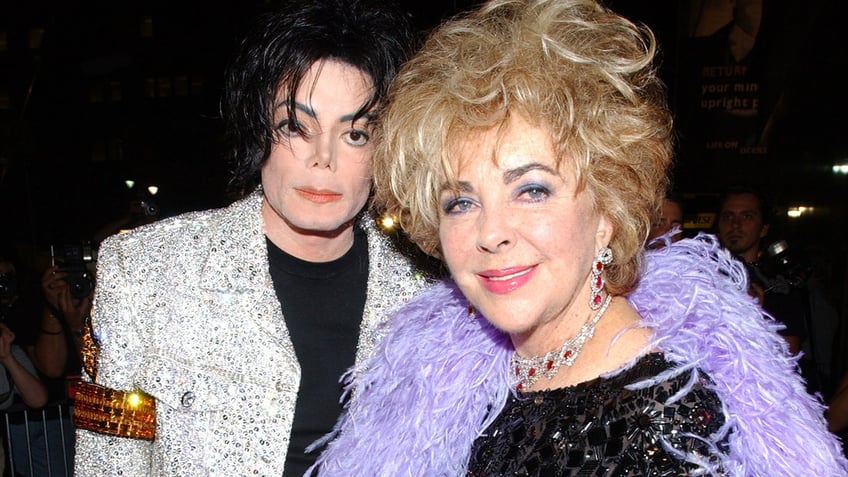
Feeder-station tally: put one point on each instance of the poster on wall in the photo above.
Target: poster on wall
(725, 80)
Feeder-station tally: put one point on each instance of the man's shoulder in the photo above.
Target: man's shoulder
(191, 225)
(187, 234)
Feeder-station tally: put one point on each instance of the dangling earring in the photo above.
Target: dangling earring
(472, 312)
(604, 258)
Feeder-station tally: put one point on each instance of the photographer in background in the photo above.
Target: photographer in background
(68, 290)
(744, 218)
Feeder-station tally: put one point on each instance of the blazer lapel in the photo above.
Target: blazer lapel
(237, 265)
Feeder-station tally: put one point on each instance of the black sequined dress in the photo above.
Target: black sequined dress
(601, 428)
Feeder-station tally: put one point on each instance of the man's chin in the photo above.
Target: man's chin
(736, 250)
(326, 229)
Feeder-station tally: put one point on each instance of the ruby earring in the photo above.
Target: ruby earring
(604, 258)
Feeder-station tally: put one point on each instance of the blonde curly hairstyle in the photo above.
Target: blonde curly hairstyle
(572, 66)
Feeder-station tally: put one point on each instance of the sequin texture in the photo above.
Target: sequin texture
(603, 428)
(185, 310)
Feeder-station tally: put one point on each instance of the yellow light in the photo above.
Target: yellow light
(797, 211)
(129, 183)
(388, 222)
(133, 399)
(152, 189)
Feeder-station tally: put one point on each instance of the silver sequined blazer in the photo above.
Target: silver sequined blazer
(185, 310)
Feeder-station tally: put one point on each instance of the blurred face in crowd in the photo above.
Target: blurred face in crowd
(741, 226)
(518, 237)
(316, 183)
(671, 215)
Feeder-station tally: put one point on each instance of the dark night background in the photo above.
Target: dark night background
(94, 93)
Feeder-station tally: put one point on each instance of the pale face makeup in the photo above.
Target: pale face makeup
(316, 183)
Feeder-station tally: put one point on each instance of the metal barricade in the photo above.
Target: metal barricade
(38, 442)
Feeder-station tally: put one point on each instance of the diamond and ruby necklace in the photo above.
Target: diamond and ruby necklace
(529, 370)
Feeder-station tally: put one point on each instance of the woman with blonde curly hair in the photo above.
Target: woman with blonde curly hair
(527, 145)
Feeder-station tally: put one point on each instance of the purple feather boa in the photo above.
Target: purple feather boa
(439, 376)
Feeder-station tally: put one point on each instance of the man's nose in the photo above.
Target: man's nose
(324, 151)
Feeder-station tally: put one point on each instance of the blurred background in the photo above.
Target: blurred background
(109, 113)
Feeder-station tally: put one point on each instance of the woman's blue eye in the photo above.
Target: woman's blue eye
(535, 192)
(458, 205)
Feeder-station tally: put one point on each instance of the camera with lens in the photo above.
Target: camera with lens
(73, 260)
(149, 208)
(779, 270)
(144, 208)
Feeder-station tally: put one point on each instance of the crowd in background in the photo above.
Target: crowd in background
(46, 305)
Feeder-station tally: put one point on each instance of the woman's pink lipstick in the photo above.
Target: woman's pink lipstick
(506, 280)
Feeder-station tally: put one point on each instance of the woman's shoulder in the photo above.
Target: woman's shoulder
(655, 371)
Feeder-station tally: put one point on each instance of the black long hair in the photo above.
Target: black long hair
(374, 36)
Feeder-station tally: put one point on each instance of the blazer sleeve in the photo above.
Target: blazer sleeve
(109, 407)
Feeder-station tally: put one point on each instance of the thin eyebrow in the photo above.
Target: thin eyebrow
(300, 106)
(312, 114)
(509, 176)
(306, 109)
(462, 186)
(513, 175)
(347, 118)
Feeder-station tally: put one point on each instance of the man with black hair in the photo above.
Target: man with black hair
(745, 216)
(223, 334)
